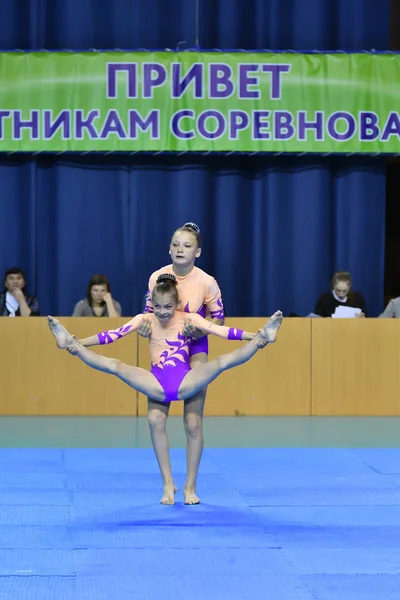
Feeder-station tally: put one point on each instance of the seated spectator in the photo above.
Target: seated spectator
(14, 301)
(392, 311)
(340, 295)
(98, 301)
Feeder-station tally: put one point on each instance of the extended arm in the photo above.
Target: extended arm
(108, 337)
(228, 333)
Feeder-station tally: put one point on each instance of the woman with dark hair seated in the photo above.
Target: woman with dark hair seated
(98, 301)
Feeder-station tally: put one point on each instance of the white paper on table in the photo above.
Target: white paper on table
(345, 312)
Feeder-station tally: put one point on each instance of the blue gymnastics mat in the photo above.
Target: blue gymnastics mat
(273, 523)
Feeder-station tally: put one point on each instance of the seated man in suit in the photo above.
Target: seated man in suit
(14, 301)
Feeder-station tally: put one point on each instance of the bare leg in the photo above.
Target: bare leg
(193, 424)
(157, 415)
(204, 374)
(138, 379)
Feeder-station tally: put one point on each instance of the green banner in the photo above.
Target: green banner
(199, 102)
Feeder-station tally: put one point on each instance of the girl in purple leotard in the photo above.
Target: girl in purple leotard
(170, 377)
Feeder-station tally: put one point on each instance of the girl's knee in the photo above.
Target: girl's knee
(157, 419)
(223, 362)
(115, 366)
(193, 425)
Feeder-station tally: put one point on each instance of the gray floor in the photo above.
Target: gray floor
(220, 432)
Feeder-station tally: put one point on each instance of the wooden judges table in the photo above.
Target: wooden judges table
(317, 367)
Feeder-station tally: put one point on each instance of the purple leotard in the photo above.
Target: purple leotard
(200, 345)
(171, 374)
(170, 378)
(170, 350)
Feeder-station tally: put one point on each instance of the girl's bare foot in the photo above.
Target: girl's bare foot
(63, 338)
(190, 496)
(169, 494)
(269, 332)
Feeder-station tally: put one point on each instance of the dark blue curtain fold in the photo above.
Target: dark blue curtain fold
(274, 229)
(295, 24)
(259, 24)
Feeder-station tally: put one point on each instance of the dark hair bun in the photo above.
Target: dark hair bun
(167, 278)
(192, 226)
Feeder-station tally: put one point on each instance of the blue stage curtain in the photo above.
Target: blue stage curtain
(275, 229)
(247, 24)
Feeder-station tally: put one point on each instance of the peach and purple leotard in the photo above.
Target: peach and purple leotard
(198, 293)
(169, 349)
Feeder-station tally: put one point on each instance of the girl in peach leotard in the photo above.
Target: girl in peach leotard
(171, 377)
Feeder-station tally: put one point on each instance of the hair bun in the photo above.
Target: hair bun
(192, 226)
(167, 278)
